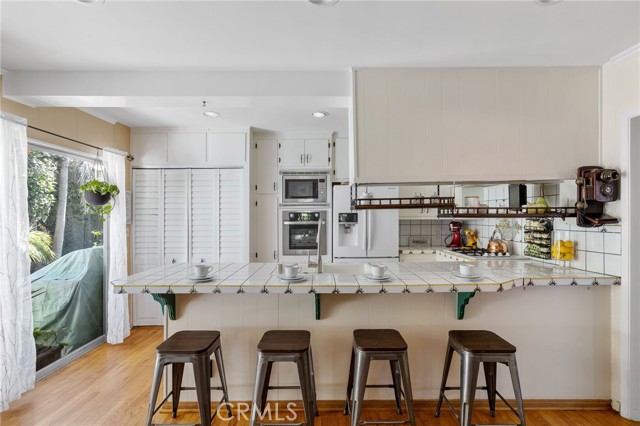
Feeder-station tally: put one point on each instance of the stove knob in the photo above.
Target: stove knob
(500, 254)
(485, 255)
(507, 254)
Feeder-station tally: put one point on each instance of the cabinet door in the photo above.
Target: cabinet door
(266, 167)
(226, 149)
(341, 160)
(266, 228)
(149, 149)
(204, 216)
(187, 149)
(175, 220)
(316, 153)
(291, 154)
(231, 223)
(146, 231)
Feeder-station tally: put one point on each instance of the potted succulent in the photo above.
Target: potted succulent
(99, 197)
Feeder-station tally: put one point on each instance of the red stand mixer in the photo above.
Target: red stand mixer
(456, 236)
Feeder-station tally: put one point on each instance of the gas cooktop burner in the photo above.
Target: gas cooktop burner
(478, 252)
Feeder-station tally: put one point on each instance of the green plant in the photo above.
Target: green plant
(40, 247)
(46, 338)
(102, 188)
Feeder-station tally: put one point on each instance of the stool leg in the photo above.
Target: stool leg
(265, 388)
(490, 379)
(305, 387)
(223, 378)
(515, 380)
(445, 374)
(349, 384)
(313, 384)
(406, 382)
(177, 370)
(469, 367)
(261, 371)
(155, 387)
(361, 370)
(396, 376)
(202, 373)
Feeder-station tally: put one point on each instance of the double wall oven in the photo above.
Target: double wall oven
(304, 210)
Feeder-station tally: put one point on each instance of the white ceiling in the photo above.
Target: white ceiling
(138, 39)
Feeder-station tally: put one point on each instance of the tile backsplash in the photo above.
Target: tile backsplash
(596, 249)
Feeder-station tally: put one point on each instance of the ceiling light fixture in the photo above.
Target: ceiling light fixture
(324, 2)
(91, 1)
(548, 2)
(209, 113)
(320, 114)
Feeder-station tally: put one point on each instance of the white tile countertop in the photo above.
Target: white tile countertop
(404, 277)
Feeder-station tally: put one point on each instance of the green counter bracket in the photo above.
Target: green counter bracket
(317, 299)
(462, 299)
(168, 300)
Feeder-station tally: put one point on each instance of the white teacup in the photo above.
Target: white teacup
(377, 269)
(202, 271)
(467, 269)
(291, 270)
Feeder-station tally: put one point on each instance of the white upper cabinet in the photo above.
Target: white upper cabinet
(341, 160)
(149, 149)
(187, 149)
(304, 153)
(266, 166)
(226, 148)
(475, 124)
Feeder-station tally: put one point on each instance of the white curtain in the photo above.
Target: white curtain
(117, 306)
(17, 346)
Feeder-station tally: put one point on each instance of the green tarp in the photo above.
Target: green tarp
(68, 297)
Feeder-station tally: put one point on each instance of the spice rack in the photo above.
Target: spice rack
(516, 212)
(402, 203)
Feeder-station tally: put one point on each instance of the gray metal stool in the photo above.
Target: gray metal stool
(474, 347)
(285, 346)
(195, 347)
(380, 344)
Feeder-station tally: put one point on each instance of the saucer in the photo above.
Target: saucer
(374, 278)
(467, 277)
(296, 278)
(201, 279)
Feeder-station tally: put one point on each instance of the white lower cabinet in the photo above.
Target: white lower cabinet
(185, 215)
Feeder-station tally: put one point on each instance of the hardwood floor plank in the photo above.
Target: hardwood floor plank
(110, 386)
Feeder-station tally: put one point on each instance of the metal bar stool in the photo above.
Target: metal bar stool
(474, 347)
(195, 347)
(285, 346)
(382, 344)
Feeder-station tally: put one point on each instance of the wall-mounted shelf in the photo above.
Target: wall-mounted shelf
(523, 212)
(402, 203)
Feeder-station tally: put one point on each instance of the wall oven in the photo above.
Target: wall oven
(303, 188)
(300, 232)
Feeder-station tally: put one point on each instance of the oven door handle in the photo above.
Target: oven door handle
(288, 222)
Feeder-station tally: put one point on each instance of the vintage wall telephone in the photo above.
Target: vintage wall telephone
(596, 186)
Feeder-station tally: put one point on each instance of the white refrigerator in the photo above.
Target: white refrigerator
(364, 234)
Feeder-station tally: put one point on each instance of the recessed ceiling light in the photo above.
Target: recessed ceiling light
(211, 114)
(545, 2)
(91, 1)
(320, 114)
(324, 2)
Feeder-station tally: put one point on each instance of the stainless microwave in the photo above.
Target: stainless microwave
(304, 188)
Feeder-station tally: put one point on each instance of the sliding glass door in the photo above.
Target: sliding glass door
(66, 250)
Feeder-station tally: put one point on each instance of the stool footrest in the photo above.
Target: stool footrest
(193, 388)
(380, 386)
(284, 387)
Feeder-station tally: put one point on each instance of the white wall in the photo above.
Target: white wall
(620, 102)
(561, 333)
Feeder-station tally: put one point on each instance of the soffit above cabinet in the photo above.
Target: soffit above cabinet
(467, 125)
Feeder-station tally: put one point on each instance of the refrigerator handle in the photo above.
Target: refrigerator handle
(369, 220)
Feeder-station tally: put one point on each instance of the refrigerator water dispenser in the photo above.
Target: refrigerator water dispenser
(348, 230)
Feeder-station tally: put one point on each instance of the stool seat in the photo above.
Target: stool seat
(285, 341)
(480, 342)
(189, 341)
(378, 340)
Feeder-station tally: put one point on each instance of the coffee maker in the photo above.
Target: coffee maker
(456, 236)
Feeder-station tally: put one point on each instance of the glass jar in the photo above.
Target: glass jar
(563, 248)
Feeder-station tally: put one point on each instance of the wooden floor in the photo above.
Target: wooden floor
(110, 386)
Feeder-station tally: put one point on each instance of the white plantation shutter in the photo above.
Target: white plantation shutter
(147, 235)
(204, 215)
(231, 217)
(176, 219)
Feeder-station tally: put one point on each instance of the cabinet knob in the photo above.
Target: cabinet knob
(302, 158)
(274, 254)
(202, 260)
(274, 186)
(308, 158)
(173, 261)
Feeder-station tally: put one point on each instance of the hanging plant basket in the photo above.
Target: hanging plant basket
(96, 199)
